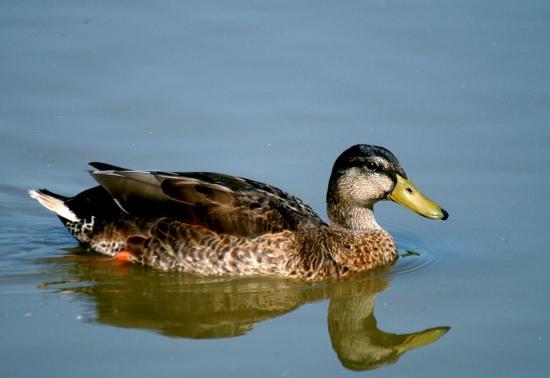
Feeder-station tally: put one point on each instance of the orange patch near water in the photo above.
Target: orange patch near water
(122, 256)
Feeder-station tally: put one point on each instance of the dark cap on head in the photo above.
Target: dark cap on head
(359, 155)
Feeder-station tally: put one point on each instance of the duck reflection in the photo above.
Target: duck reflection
(184, 305)
(360, 344)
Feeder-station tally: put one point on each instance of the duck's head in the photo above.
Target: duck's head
(363, 175)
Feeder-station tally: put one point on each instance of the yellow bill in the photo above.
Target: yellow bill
(406, 194)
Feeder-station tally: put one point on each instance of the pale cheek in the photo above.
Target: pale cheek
(365, 191)
(380, 185)
(361, 190)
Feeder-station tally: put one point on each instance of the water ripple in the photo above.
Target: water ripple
(416, 254)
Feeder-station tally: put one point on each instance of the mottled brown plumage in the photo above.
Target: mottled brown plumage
(214, 224)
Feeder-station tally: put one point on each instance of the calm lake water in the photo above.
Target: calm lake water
(274, 91)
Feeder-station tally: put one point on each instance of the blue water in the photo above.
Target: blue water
(274, 91)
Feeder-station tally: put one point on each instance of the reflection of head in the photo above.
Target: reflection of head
(358, 342)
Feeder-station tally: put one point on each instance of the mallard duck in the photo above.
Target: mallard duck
(216, 224)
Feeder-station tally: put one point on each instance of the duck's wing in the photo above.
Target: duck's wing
(221, 203)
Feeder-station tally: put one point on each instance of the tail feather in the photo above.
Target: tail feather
(106, 167)
(54, 202)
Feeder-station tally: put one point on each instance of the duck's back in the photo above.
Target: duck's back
(221, 203)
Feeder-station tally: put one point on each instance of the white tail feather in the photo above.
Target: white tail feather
(54, 204)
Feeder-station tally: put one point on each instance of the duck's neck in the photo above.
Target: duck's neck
(352, 218)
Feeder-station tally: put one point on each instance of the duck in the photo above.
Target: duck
(221, 225)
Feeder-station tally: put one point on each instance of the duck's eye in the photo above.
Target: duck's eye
(372, 165)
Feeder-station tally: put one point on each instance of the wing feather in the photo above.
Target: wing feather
(222, 203)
